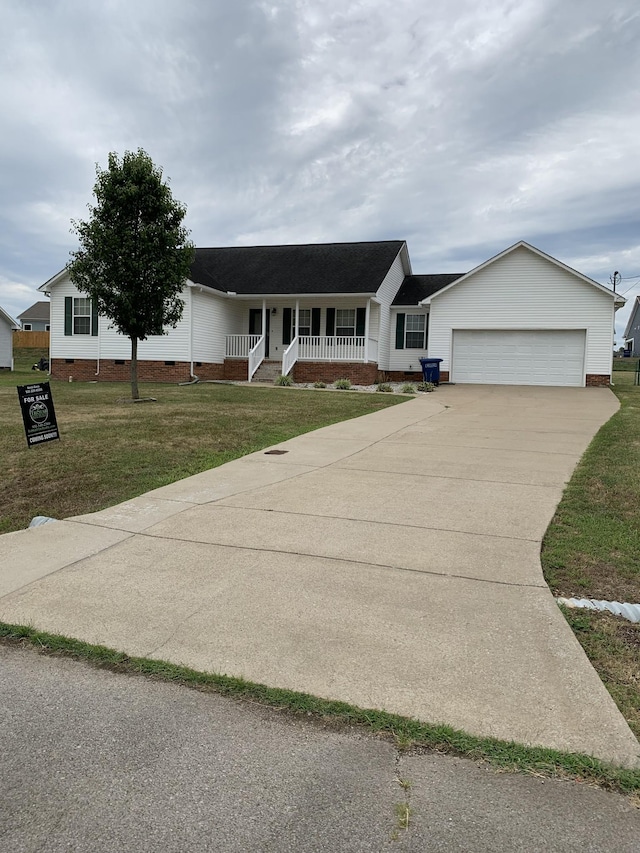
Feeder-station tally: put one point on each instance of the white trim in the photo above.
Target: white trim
(523, 245)
(44, 288)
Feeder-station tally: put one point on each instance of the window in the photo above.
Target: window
(345, 322)
(81, 316)
(26, 327)
(414, 331)
(304, 322)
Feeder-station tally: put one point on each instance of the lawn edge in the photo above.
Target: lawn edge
(406, 732)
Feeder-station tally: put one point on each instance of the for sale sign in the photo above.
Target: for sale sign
(38, 414)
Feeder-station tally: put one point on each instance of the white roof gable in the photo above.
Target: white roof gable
(9, 319)
(619, 300)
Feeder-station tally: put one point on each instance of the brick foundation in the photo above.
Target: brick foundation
(399, 376)
(84, 370)
(208, 371)
(599, 380)
(236, 369)
(444, 376)
(329, 371)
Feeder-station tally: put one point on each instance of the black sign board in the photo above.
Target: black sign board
(38, 413)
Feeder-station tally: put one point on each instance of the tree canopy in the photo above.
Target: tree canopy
(134, 254)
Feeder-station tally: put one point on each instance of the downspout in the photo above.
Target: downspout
(191, 373)
(98, 356)
(194, 380)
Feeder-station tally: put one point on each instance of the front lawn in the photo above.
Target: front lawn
(111, 451)
(592, 548)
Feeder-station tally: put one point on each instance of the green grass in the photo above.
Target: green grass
(624, 364)
(405, 732)
(592, 547)
(111, 450)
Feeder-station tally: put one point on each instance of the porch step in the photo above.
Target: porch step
(268, 371)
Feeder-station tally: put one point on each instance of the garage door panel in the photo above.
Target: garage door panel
(519, 357)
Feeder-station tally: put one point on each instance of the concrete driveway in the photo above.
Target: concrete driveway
(391, 561)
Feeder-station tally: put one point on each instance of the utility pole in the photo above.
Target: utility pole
(615, 279)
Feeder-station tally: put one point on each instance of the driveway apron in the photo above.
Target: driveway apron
(390, 561)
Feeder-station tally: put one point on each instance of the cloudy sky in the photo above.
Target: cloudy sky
(461, 126)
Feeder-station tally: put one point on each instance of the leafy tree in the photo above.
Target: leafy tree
(134, 253)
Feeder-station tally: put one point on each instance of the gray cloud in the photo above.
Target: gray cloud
(462, 127)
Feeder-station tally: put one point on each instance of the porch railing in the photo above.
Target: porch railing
(290, 356)
(256, 356)
(239, 346)
(317, 348)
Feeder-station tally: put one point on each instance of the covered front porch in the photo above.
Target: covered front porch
(306, 331)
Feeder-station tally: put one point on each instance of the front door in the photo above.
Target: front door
(255, 326)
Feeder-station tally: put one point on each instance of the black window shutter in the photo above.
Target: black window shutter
(361, 315)
(94, 318)
(68, 315)
(286, 325)
(315, 322)
(331, 322)
(400, 331)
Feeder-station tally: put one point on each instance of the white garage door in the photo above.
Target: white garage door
(528, 357)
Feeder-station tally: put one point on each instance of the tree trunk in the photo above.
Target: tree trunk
(135, 394)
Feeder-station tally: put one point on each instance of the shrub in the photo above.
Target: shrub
(343, 384)
(385, 388)
(283, 380)
(408, 388)
(425, 386)
(319, 384)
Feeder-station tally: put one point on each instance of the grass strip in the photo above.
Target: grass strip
(592, 547)
(407, 733)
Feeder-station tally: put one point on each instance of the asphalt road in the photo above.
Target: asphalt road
(94, 761)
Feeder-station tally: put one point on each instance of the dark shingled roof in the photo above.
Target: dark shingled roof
(414, 288)
(313, 268)
(38, 311)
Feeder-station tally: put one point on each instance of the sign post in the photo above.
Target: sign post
(38, 414)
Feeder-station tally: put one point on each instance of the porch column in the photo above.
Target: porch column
(297, 329)
(264, 316)
(366, 330)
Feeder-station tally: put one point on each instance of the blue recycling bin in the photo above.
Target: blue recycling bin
(431, 370)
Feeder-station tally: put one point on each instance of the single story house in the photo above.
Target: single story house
(355, 310)
(7, 327)
(632, 330)
(35, 318)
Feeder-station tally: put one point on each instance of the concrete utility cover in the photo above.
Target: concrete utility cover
(391, 561)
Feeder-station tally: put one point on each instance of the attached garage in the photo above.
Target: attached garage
(523, 318)
(519, 357)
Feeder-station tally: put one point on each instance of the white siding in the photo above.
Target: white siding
(74, 346)
(405, 359)
(109, 344)
(524, 291)
(386, 294)
(213, 319)
(6, 343)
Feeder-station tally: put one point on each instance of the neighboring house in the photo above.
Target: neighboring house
(35, 318)
(356, 310)
(7, 327)
(632, 331)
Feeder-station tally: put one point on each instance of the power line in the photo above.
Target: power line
(628, 289)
